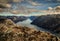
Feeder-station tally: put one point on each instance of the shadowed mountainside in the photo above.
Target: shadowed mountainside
(15, 18)
(48, 22)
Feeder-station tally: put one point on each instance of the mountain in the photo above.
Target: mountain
(14, 18)
(9, 31)
(48, 22)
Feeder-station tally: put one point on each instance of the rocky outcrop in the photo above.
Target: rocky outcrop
(9, 31)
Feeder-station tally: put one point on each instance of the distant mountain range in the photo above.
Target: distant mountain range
(14, 18)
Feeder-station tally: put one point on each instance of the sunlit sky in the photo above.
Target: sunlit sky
(37, 4)
(29, 6)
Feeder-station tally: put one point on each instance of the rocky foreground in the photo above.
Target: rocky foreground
(9, 31)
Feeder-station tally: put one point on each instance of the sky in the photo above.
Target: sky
(41, 4)
(26, 5)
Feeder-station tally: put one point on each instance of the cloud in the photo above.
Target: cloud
(34, 3)
(28, 1)
(18, 0)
